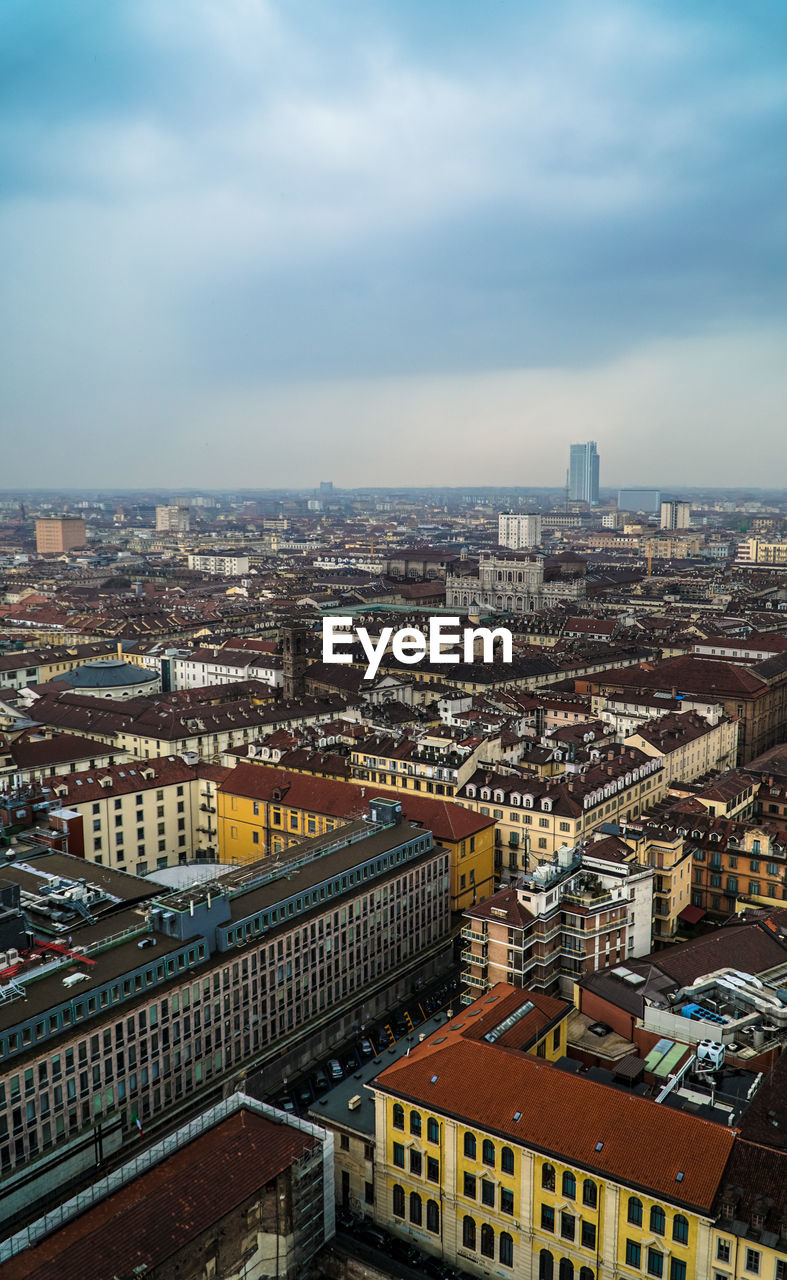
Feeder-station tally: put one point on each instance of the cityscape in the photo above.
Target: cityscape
(393, 641)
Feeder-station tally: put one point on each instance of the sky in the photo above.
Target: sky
(261, 243)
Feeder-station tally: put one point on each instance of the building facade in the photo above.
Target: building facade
(518, 532)
(228, 565)
(58, 534)
(583, 473)
(513, 584)
(172, 519)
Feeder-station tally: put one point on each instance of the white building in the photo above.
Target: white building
(519, 532)
(203, 667)
(675, 515)
(228, 565)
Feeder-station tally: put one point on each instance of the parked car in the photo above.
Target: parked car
(373, 1236)
(321, 1082)
(335, 1069)
(367, 1048)
(285, 1103)
(305, 1095)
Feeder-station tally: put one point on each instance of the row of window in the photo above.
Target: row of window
(568, 1186)
(471, 1240)
(653, 1260)
(432, 1127)
(568, 1227)
(658, 1221)
(546, 1268)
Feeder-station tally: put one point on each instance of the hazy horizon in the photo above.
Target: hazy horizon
(389, 243)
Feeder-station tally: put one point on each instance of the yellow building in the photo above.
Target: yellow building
(503, 1164)
(262, 810)
(537, 816)
(687, 745)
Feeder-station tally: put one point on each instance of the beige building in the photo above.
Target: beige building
(675, 515)
(687, 745)
(171, 519)
(141, 816)
(537, 816)
(56, 534)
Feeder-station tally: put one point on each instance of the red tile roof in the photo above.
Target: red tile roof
(167, 1207)
(338, 799)
(562, 1115)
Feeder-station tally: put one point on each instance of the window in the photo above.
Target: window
(677, 1269)
(588, 1235)
(507, 1160)
(569, 1186)
(488, 1192)
(565, 1270)
(781, 1270)
(488, 1153)
(468, 1232)
(432, 1169)
(432, 1216)
(415, 1123)
(658, 1221)
(635, 1211)
(398, 1155)
(633, 1254)
(398, 1202)
(546, 1265)
(547, 1218)
(680, 1229)
(655, 1263)
(589, 1193)
(416, 1166)
(506, 1249)
(487, 1241)
(567, 1225)
(753, 1261)
(469, 1186)
(415, 1208)
(723, 1250)
(506, 1201)
(432, 1130)
(470, 1147)
(398, 1116)
(548, 1178)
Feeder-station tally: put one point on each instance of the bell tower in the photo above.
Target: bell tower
(294, 662)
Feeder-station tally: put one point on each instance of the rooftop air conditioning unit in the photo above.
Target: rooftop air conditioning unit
(354, 1102)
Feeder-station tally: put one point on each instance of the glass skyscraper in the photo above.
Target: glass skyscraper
(583, 473)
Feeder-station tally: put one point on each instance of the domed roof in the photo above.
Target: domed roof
(106, 673)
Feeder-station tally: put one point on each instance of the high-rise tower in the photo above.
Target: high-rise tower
(583, 473)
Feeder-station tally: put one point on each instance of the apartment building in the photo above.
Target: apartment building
(140, 816)
(39, 666)
(539, 1176)
(588, 909)
(755, 696)
(538, 816)
(755, 551)
(669, 853)
(437, 763)
(518, 532)
(687, 745)
(263, 810)
(172, 519)
(161, 1004)
(32, 757)
(201, 667)
(225, 565)
(57, 534)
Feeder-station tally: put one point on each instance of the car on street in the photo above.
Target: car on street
(285, 1103)
(335, 1069)
(367, 1048)
(321, 1082)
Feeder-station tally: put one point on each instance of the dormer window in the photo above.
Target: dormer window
(486, 794)
(515, 798)
(527, 801)
(546, 806)
(499, 797)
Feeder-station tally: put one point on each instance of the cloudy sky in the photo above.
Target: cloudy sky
(268, 242)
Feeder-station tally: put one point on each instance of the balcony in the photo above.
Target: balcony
(469, 980)
(471, 957)
(472, 935)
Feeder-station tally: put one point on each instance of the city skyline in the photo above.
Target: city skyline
(241, 239)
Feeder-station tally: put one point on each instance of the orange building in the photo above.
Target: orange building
(56, 534)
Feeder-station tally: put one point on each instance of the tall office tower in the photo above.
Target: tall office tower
(675, 515)
(518, 532)
(56, 534)
(583, 473)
